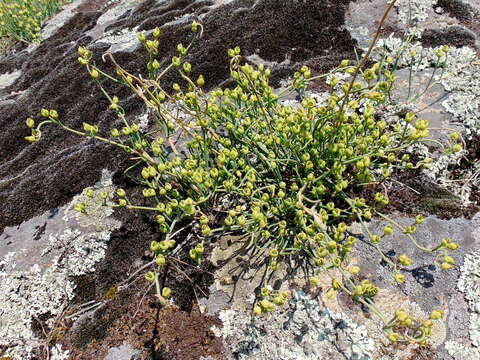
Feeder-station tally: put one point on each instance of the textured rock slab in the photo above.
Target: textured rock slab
(427, 287)
(124, 352)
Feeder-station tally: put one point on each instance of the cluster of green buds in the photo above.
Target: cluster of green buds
(285, 177)
(49, 116)
(164, 293)
(22, 20)
(196, 253)
(270, 300)
(84, 55)
(404, 328)
(161, 247)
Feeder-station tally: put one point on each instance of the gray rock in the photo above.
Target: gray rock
(426, 285)
(123, 352)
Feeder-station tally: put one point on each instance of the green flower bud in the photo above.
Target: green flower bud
(176, 61)
(452, 246)
(393, 337)
(399, 278)
(456, 148)
(336, 284)
(194, 26)
(436, 314)
(449, 259)
(267, 305)
(274, 253)
(187, 67)
(31, 138)
(53, 114)
(199, 249)
(141, 37)
(445, 266)
(94, 74)
(257, 310)
(405, 260)
(314, 281)
(150, 276)
(166, 292)
(200, 81)
(30, 123)
(80, 207)
(331, 294)
(354, 270)
(388, 230)
(160, 260)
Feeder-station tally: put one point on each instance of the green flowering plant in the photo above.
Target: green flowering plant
(287, 177)
(21, 20)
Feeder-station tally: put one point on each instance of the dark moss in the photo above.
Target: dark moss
(453, 35)
(458, 9)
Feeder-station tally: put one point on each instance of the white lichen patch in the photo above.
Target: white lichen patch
(57, 353)
(301, 330)
(121, 40)
(43, 291)
(414, 13)
(469, 284)
(458, 72)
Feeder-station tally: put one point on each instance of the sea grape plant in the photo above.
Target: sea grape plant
(290, 178)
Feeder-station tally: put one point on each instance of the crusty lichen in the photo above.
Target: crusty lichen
(303, 329)
(414, 13)
(44, 291)
(469, 284)
(460, 77)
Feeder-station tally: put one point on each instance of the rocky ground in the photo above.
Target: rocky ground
(72, 285)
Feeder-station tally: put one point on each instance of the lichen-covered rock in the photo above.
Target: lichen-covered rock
(303, 329)
(36, 274)
(469, 285)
